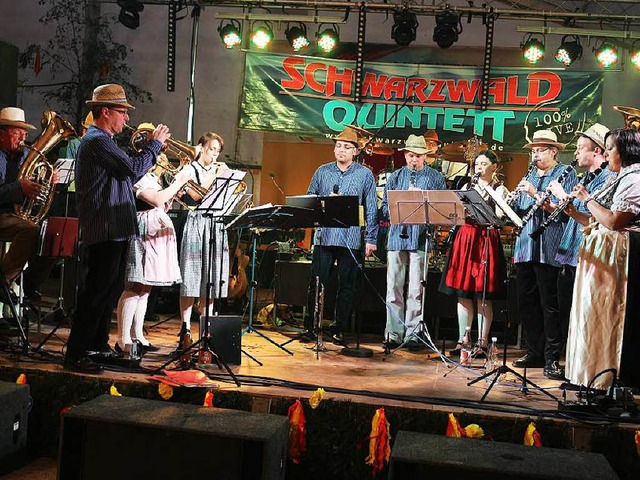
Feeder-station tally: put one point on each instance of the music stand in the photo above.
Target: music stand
(425, 207)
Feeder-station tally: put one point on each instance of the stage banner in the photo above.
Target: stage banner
(312, 96)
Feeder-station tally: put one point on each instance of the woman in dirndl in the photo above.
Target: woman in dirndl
(152, 259)
(473, 248)
(604, 327)
(201, 265)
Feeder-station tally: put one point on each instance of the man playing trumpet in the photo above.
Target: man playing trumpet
(105, 175)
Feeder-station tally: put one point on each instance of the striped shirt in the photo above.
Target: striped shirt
(10, 189)
(572, 237)
(356, 180)
(543, 249)
(402, 179)
(105, 175)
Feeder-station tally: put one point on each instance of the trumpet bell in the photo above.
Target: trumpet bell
(631, 116)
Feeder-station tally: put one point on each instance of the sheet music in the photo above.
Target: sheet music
(65, 170)
(222, 196)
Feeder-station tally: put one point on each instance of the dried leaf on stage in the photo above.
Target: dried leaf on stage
(114, 391)
(165, 391)
(297, 432)
(22, 379)
(474, 430)
(454, 429)
(208, 399)
(185, 378)
(379, 441)
(316, 398)
(532, 437)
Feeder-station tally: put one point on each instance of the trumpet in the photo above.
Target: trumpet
(631, 116)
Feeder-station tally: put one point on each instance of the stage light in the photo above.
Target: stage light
(532, 49)
(297, 36)
(262, 36)
(569, 50)
(230, 34)
(328, 38)
(448, 27)
(606, 54)
(405, 24)
(634, 55)
(130, 13)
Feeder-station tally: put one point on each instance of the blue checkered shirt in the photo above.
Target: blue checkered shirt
(401, 179)
(358, 181)
(545, 248)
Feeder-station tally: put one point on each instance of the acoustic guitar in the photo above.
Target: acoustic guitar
(238, 282)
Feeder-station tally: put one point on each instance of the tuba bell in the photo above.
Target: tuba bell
(37, 169)
(631, 116)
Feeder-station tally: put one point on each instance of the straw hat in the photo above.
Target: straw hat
(348, 135)
(546, 138)
(88, 120)
(14, 117)
(595, 133)
(416, 144)
(110, 94)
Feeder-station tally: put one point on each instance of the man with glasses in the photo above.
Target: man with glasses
(537, 268)
(105, 175)
(344, 176)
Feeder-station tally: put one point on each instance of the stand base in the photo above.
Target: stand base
(357, 352)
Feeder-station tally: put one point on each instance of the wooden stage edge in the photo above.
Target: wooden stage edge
(417, 391)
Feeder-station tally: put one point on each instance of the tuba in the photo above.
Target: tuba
(631, 116)
(37, 169)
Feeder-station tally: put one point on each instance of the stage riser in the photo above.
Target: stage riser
(134, 438)
(420, 456)
(14, 413)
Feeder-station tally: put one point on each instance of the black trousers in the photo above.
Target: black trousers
(324, 259)
(538, 310)
(566, 279)
(103, 286)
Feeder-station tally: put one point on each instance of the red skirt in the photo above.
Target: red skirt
(464, 272)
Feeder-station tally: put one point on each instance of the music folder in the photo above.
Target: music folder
(331, 211)
(425, 207)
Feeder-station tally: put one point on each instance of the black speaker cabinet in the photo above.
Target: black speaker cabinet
(122, 437)
(226, 336)
(419, 456)
(14, 412)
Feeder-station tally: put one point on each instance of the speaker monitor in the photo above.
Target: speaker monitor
(122, 437)
(226, 336)
(15, 401)
(423, 456)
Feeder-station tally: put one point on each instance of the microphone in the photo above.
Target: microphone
(273, 179)
(336, 188)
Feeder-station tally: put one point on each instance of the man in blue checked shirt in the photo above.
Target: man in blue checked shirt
(105, 175)
(590, 155)
(537, 268)
(405, 248)
(341, 245)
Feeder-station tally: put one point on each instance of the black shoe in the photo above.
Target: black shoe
(456, 351)
(480, 353)
(390, 344)
(149, 348)
(118, 348)
(413, 346)
(307, 337)
(530, 360)
(152, 317)
(338, 339)
(104, 352)
(82, 365)
(554, 371)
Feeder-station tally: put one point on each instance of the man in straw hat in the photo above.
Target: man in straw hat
(343, 176)
(22, 234)
(106, 210)
(589, 154)
(537, 268)
(405, 247)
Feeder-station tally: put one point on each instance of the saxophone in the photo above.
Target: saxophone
(37, 169)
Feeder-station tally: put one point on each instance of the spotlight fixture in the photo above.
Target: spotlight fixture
(634, 55)
(130, 13)
(569, 50)
(328, 38)
(230, 34)
(532, 49)
(448, 27)
(405, 24)
(606, 54)
(262, 36)
(297, 36)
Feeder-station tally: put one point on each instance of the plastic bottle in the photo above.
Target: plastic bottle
(492, 354)
(465, 350)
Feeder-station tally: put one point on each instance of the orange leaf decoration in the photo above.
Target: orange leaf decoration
(379, 441)
(636, 437)
(208, 399)
(454, 429)
(22, 379)
(66, 409)
(165, 391)
(531, 437)
(297, 432)
(474, 431)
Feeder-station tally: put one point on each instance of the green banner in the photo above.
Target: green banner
(307, 96)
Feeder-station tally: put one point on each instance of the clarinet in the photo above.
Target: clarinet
(588, 178)
(544, 197)
(514, 195)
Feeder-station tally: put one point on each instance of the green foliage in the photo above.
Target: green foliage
(80, 55)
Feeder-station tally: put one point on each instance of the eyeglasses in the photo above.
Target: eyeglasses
(122, 112)
(345, 146)
(535, 151)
